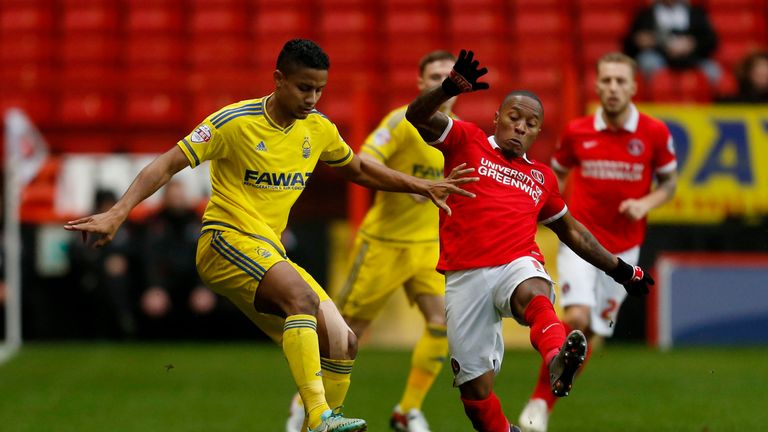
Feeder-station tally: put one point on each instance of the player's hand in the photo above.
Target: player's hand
(104, 225)
(633, 209)
(464, 75)
(438, 191)
(635, 280)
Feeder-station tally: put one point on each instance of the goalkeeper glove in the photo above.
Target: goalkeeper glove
(464, 75)
(633, 278)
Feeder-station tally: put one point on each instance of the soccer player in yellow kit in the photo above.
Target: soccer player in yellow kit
(397, 246)
(262, 154)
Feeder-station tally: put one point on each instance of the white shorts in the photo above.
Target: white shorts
(581, 283)
(475, 302)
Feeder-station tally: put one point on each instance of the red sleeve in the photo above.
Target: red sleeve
(664, 158)
(564, 155)
(456, 135)
(554, 207)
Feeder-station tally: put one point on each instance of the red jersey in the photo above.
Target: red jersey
(610, 166)
(513, 195)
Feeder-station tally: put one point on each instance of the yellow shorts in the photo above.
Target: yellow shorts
(232, 264)
(380, 268)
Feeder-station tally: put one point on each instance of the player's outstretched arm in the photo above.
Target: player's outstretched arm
(377, 176)
(423, 111)
(577, 237)
(148, 181)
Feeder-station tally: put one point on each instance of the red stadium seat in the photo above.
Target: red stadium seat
(680, 86)
(207, 19)
(538, 78)
(26, 17)
(735, 22)
(87, 108)
(89, 49)
(143, 50)
(348, 22)
(154, 108)
(608, 23)
(26, 48)
(206, 53)
(594, 48)
(154, 18)
(405, 51)
(95, 17)
(411, 22)
(37, 104)
(549, 23)
(730, 52)
(479, 22)
(282, 20)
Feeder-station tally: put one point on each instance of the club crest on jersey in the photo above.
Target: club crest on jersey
(537, 175)
(635, 147)
(201, 134)
(381, 136)
(306, 148)
(263, 252)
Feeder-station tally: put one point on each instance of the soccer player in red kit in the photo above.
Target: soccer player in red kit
(493, 267)
(612, 157)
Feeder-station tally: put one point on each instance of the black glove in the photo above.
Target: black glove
(633, 278)
(464, 75)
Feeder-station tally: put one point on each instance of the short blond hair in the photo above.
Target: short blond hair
(617, 57)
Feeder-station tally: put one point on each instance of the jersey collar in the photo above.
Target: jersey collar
(272, 122)
(630, 125)
(492, 141)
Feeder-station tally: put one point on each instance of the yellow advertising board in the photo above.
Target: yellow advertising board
(722, 155)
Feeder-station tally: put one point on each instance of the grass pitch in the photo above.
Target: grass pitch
(247, 387)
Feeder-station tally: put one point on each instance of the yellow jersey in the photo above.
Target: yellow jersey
(259, 169)
(398, 217)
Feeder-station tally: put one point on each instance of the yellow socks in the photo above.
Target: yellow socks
(337, 376)
(302, 350)
(429, 354)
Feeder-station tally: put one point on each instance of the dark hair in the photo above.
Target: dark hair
(528, 93)
(301, 53)
(433, 57)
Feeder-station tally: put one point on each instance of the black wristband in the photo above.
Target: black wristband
(450, 88)
(622, 273)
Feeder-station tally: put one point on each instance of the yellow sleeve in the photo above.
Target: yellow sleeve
(202, 144)
(337, 153)
(382, 143)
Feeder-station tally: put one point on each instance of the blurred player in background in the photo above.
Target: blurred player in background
(262, 153)
(613, 156)
(493, 267)
(397, 246)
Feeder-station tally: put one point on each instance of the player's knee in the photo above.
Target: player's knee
(577, 321)
(351, 345)
(306, 303)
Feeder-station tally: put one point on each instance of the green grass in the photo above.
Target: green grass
(211, 387)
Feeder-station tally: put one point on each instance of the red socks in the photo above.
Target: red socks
(486, 414)
(547, 332)
(543, 389)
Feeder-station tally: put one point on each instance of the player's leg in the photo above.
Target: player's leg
(476, 346)
(269, 290)
(427, 289)
(577, 280)
(531, 304)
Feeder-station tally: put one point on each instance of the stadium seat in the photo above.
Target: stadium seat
(349, 22)
(25, 17)
(89, 17)
(213, 19)
(549, 23)
(731, 51)
(283, 20)
(411, 21)
(143, 18)
(156, 50)
(37, 104)
(734, 22)
(482, 22)
(689, 85)
(87, 108)
(26, 48)
(608, 23)
(206, 53)
(595, 47)
(405, 51)
(89, 49)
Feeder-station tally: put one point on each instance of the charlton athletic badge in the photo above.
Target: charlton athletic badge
(201, 134)
(635, 147)
(538, 176)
